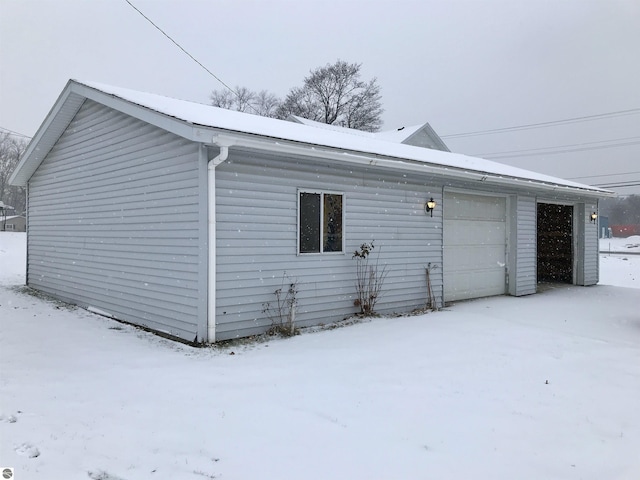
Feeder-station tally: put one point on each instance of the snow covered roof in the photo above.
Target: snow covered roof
(204, 123)
(332, 128)
(397, 135)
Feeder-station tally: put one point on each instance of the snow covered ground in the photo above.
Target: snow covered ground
(620, 245)
(620, 265)
(539, 387)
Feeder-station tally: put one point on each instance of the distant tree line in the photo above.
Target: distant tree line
(621, 210)
(334, 94)
(11, 149)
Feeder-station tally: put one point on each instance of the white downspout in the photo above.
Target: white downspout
(211, 267)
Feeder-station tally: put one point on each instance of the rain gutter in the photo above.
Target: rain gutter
(399, 164)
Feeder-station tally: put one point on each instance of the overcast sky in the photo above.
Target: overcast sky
(463, 66)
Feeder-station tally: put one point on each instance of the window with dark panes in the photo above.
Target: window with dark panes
(321, 222)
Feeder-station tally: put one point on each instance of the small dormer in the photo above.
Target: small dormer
(418, 135)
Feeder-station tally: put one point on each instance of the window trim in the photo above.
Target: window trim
(322, 193)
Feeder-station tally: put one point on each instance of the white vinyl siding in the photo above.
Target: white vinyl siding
(113, 222)
(523, 272)
(588, 257)
(257, 201)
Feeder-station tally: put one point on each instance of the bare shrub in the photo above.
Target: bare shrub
(369, 279)
(282, 312)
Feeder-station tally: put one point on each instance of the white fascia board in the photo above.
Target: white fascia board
(36, 150)
(177, 126)
(396, 164)
(63, 111)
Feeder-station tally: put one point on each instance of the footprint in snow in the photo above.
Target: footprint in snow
(102, 475)
(27, 450)
(8, 418)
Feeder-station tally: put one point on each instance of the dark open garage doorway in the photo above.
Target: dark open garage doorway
(555, 243)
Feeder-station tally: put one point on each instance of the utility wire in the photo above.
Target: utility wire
(586, 118)
(568, 150)
(628, 182)
(605, 175)
(13, 132)
(618, 185)
(541, 149)
(184, 51)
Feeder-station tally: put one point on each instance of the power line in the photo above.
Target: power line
(634, 183)
(605, 175)
(185, 51)
(550, 150)
(586, 118)
(558, 152)
(13, 132)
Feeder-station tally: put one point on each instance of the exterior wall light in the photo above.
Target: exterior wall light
(594, 217)
(430, 206)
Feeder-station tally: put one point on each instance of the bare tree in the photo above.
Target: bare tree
(336, 95)
(223, 99)
(301, 102)
(364, 110)
(332, 94)
(621, 210)
(242, 99)
(266, 103)
(10, 150)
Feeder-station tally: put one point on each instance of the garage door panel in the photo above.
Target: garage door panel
(475, 246)
(476, 257)
(466, 232)
(473, 207)
(483, 284)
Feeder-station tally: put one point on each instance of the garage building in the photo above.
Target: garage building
(186, 218)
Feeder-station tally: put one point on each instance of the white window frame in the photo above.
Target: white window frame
(322, 193)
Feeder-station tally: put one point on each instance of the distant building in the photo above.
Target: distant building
(624, 231)
(4, 210)
(14, 223)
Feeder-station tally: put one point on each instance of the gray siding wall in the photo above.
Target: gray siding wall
(524, 238)
(588, 256)
(114, 224)
(422, 139)
(256, 223)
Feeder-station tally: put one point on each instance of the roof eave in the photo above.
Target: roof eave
(216, 136)
(75, 93)
(65, 108)
(36, 149)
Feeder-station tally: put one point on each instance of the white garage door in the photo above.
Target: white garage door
(474, 246)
